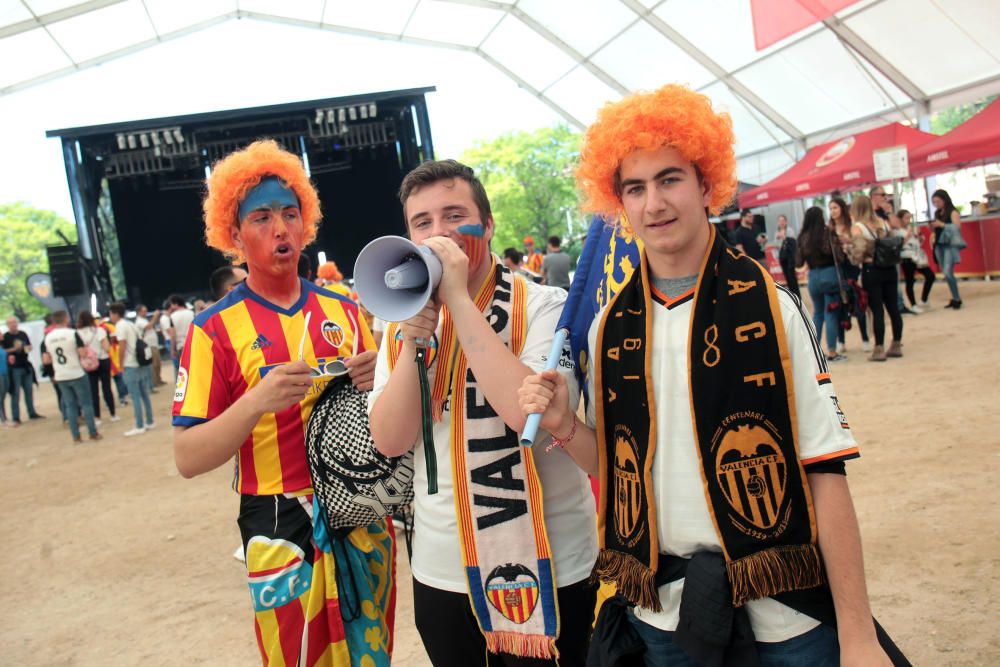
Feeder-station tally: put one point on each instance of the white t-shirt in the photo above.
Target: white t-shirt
(181, 321)
(62, 344)
(92, 337)
(127, 335)
(570, 518)
(684, 525)
(148, 335)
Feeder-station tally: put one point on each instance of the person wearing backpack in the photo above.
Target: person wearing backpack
(97, 347)
(63, 348)
(873, 248)
(135, 373)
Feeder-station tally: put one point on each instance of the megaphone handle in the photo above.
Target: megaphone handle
(426, 422)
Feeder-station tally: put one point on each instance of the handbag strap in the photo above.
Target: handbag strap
(836, 262)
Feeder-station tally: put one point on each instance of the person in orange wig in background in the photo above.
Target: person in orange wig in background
(247, 383)
(330, 277)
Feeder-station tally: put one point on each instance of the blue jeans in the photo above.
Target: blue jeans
(816, 648)
(824, 289)
(22, 379)
(76, 399)
(135, 380)
(946, 260)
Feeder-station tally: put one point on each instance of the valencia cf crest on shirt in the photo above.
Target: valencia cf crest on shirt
(332, 333)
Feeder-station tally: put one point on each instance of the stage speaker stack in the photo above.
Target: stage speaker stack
(65, 270)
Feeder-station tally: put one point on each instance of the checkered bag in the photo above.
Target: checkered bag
(354, 482)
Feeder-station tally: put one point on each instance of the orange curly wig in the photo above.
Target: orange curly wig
(329, 272)
(671, 116)
(239, 172)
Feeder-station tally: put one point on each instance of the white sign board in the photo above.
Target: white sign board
(891, 163)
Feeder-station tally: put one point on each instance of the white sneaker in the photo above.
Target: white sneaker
(925, 305)
(239, 555)
(866, 345)
(115, 418)
(97, 422)
(917, 309)
(134, 431)
(841, 348)
(150, 425)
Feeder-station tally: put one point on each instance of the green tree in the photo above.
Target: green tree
(948, 119)
(529, 179)
(24, 234)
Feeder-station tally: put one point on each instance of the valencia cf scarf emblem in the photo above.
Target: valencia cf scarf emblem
(513, 591)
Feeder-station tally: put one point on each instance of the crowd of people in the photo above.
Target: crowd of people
(115, 357)
(856, 259)
(723, 517)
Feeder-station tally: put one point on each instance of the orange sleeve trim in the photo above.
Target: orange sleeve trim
(851, 453)
(822, 376)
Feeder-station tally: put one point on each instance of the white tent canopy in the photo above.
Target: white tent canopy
(874, 62)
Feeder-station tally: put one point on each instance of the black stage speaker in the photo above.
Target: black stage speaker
(65, 269)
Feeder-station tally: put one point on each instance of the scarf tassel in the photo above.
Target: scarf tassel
(773, 571)
(521, 645)
(635, 581)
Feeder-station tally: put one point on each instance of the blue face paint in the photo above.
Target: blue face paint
(472, 230)
(271, 193)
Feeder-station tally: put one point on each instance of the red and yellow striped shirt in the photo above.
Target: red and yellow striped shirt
(234, 344)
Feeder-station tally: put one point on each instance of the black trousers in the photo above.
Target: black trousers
(102, 377)
(452, 637)
(882, 286)
(910, 271)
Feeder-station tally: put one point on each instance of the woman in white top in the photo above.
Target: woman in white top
(96, 338)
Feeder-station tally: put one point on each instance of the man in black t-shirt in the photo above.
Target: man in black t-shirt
(17, 345)
(747, 239)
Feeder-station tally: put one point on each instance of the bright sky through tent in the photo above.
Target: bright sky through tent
(248, 63)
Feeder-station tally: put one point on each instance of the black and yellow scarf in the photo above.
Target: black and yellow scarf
(743, 409)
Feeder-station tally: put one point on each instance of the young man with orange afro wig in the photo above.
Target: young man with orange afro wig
(250, 373)
(724, 510)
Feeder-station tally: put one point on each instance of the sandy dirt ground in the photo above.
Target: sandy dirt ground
(114, 559)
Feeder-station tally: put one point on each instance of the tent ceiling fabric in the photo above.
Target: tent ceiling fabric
(875, 61)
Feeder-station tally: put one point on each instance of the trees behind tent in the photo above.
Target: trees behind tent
(24, 234)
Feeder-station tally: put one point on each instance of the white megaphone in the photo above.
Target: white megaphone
(395, 277)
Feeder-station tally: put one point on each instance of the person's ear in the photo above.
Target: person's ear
(234, 234)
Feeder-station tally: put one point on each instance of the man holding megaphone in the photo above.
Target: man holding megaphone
(515, 581)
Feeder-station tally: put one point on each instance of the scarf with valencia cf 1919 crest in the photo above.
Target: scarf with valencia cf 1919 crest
(498, 493)
(743, 410)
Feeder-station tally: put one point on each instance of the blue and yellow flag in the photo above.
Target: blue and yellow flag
(610, 255)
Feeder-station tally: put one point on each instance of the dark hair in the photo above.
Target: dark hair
(902, 212)
(514, 255)
(305, 266)
(744, 212)
(944, 214)
(432, 171)
(220, 280)
(59, 316)
(845, 213)
(85, 320)
(814, 235)
(555, 241)
(118, 309)
(175, 299)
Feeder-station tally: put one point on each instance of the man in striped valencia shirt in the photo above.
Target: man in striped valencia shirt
(248, 378)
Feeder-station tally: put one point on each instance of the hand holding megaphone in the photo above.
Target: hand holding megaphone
(395, 277)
